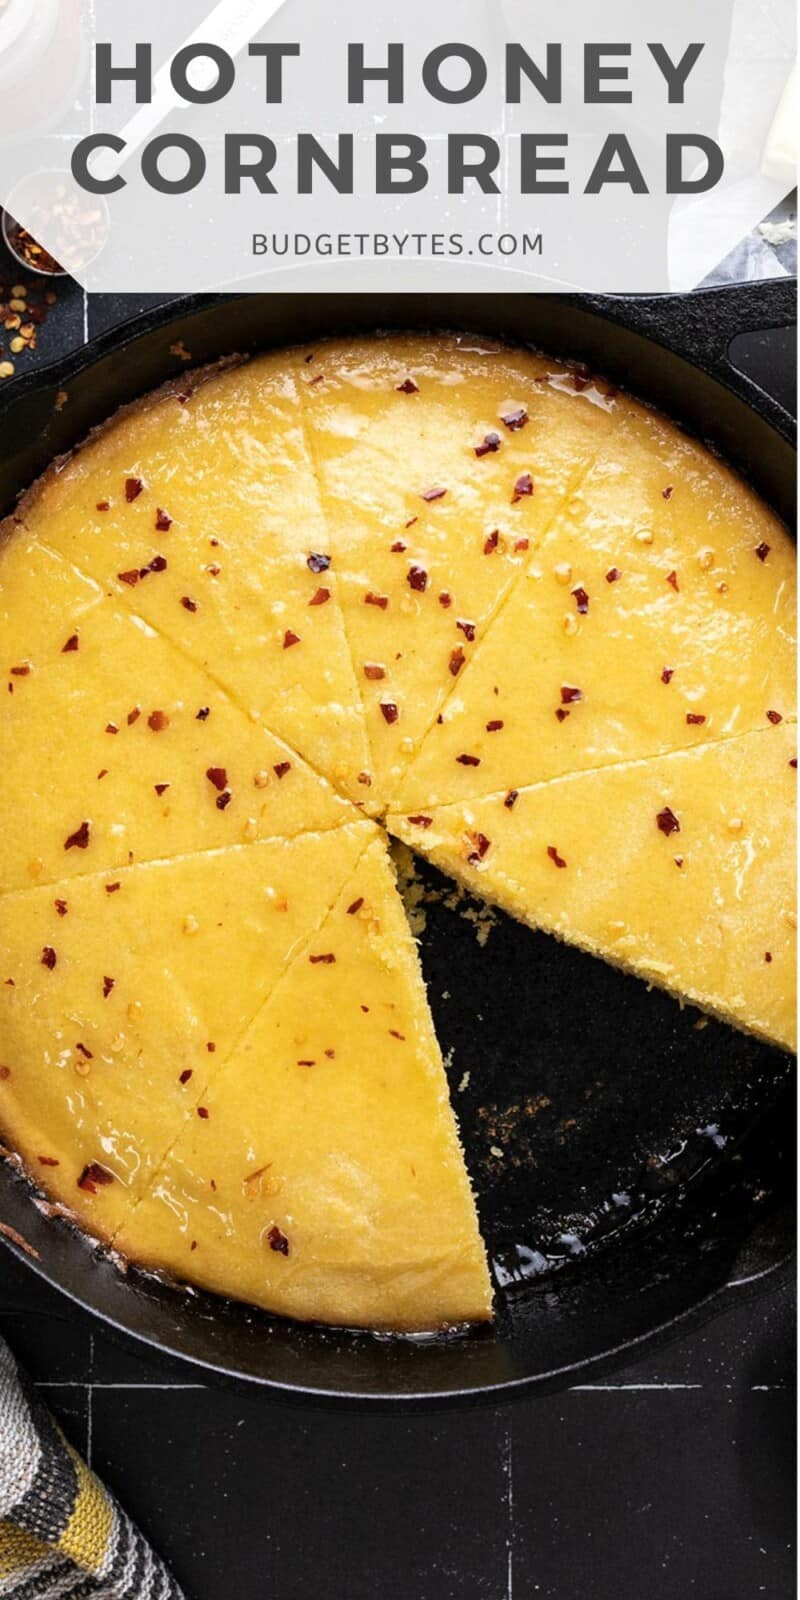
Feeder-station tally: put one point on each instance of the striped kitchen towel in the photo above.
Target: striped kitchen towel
(62, 1536)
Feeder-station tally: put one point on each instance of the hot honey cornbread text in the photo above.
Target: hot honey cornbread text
(462, 589)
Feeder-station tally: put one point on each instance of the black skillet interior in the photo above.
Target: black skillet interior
(646, 1165)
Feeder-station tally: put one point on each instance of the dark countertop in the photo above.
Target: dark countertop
(672, 1476)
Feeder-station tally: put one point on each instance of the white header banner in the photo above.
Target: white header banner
(625, 146)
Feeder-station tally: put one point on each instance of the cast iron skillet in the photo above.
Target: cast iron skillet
(646, 1173)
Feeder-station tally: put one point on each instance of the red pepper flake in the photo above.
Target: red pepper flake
(223, 800)
(373, 671)
(561, 714)
(557, 860)
(161, 788)
(5, 1072)
(320, 597)
(521, 544)
(408, 386)
(569, 694)
(793, 762)
(203, 713)
(108, 984)
(514, 420)
(308, 1062)
(111, 727)
(667, 821)
(277, 1240)
(491, 542)
(103, 505)
(495, 726)
(188, 603)
(134, 715)
(61, 907)
(613, 575)
(468, 630)
(523, 486)
(103, 773)
(281, 768)
(666, 494)
(762, 551)
(49, 957)
(389, 711)
(290, 638)
(417, 578)
(445, 600)
(133, 488)
(672, 578)
(317, 562)
(581, 599)
(185, 1075)
(48, 1161)
(398, 546)
(511, 799)
(163, 520)
(395, 1035)
(774, 717)
(667, 674)
(78, 840)
(411, 522)
(490, 444)
(86, 1053)
(435, 493)
(203, 1113)
(326, 960)
(211, 1047)
(371, 599)
(482, 846)
(158, 721)
(420, 821)
(457, 659)
(678, 860)
(468, 761)
(111, 888)
(94, 1177)
(21, 672)
(355, 906)
(158, 564)
(131, 577)
(72, 643)
(695, 719)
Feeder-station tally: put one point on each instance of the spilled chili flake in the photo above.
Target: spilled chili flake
(290, 638)
(491, 542)
(389, 711)
(355, 906)
(511, 799)
(468, 761)
(277, 1240)
(281, 768)
(417, 578)
(324, 960)
(695, 719)
(158, 721)
(570, 694)
(188, 603)
(185, 1075)
(523, 486)
(108, 985)
(49, 957)
(373, 671)
(457, 659)
(203, 1113)
(667, 674)
(581, 599)
(320, 597)
(495, 725)
(557, 860)
(61, 907)
(468, 630)
(380, 600)
(482, 846)
(133, 488)
(774, 717)
(672, 579)
(762, 551)
(613, 575)
(163, 520)
(72, 643)
(420, 821)
(445, 600)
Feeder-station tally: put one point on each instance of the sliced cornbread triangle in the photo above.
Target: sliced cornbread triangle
(320, 1174)
(441, 464)
(681, 869)
(199, 508)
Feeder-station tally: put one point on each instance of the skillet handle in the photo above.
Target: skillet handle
(702, 326)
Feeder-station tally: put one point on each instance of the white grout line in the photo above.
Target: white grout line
(586, 1388)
